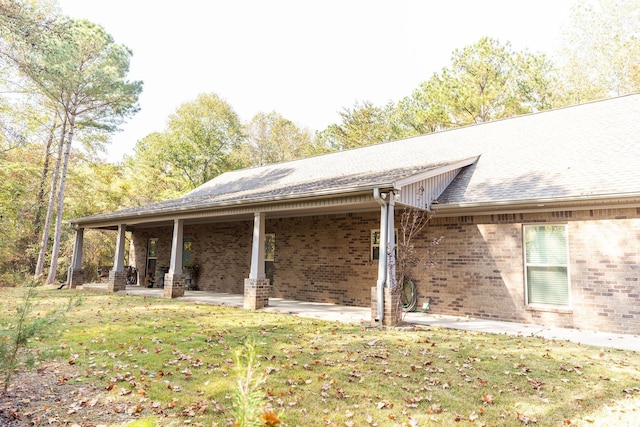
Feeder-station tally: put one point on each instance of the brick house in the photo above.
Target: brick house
(539, 214)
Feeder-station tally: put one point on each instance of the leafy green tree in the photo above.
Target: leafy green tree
(25, 112)
(22, 195)
(82, 72)
(601, 47)
(94, 186)
(363, 124)
(489, 81)
(40, 198)
(23, 26)
(270, 138)
(485, 81)
(425, 110)
(148, 175)
(197, 145)
(85, 73)
(18, 180)
(203, 134)
(11, 136)
(53, 203)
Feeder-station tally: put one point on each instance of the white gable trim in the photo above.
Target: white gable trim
(420, 190)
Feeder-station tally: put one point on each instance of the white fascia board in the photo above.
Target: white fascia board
(604, 201)
(433, 172)
(275, 205)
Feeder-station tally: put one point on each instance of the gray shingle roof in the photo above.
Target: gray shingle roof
(589, 150)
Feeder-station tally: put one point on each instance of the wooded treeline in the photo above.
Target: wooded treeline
(64, 91)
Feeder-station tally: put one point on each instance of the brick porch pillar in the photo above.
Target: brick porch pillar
(117, 275)
(117, 281)
(257, 287)
(392, 307)
(173, 285)
(256, 293)
(75, 275)
(174, 279)
(76, 278)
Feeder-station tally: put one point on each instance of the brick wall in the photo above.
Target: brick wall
(317, 258)
(139, 246)
(480, 271)
(325, 258)
(223, 251)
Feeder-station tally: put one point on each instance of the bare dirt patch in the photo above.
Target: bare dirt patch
(49, 396)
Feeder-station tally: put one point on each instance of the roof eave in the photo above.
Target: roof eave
(540, 205)
(398, 184)
(98, 221)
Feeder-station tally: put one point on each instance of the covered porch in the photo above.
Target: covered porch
(334, 236)
(230, 250)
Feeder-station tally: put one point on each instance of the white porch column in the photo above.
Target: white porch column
(257, 287)
(257, 248)
(118, 262)
(174, 279)
(76, 260)
(117, 275)
(76, 274)
(175, 265)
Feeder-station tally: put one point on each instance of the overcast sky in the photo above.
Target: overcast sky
(304, 59)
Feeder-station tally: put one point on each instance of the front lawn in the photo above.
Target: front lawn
(128, 360)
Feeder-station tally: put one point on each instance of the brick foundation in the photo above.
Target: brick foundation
(173, 285)
(76, 278)
(392, 307)
(256, 293)
(117, 281)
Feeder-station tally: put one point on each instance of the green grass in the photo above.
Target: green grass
(174, 361)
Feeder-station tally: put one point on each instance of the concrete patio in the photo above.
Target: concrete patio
(362, 315)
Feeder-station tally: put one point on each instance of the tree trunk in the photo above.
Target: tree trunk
(53, 268)
(51, 207)
(43, 180)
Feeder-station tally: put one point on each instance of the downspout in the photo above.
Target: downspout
(382, 259)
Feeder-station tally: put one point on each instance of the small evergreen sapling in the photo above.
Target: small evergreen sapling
(16, 336)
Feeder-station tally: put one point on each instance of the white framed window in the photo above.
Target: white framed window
(269, 247)
(187, 249)
(546, 264)
(375, 244)
(152, 259)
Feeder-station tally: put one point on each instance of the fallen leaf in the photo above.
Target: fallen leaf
(487, 398)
